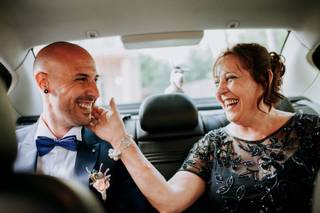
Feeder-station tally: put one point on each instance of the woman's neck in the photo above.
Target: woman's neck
(260, 126)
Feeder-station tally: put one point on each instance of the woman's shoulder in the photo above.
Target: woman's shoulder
(302, 119)
(215, 136)
(304, 124)
(305, 116)
(217, 133)
(209, 142)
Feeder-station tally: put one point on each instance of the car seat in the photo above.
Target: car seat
(167, 128)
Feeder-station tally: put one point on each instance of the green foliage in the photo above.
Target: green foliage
(199, 64)
(155, 74)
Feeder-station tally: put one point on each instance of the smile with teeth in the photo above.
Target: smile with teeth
(230, 102)
(86, 106)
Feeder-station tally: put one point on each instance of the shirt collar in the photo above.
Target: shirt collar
(43, 130)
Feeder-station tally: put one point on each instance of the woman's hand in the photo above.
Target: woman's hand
(107, 124)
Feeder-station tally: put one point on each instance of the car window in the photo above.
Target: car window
(131, 75)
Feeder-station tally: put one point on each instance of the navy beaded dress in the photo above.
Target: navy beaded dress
(275, 174)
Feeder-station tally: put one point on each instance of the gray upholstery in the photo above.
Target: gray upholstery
(215, 121)
(34, 193)
(8, 146)
(285, 105)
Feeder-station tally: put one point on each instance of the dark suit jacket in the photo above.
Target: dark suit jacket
(122, 195)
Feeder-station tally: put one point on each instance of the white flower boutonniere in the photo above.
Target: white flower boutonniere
(100, 181)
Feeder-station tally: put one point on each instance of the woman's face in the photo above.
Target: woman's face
(237, 92)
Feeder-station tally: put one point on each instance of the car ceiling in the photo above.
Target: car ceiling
(26, 23)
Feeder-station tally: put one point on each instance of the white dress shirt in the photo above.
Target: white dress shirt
(59, 162)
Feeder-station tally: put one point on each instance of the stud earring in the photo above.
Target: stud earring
(45, 91)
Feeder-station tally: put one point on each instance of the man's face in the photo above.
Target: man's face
(73, 89)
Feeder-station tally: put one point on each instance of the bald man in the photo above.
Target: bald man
(59, 144)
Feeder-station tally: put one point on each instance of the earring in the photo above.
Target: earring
(45, 91)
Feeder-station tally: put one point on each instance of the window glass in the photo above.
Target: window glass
(131, 75)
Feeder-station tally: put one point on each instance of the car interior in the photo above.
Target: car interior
(136, 45)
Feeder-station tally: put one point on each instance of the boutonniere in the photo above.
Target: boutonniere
(100, 181)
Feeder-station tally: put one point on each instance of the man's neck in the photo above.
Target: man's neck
(57, 128)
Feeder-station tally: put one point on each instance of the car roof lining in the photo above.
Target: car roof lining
(120, 17)
(66, 20)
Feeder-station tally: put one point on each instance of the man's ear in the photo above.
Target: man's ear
(42, 80)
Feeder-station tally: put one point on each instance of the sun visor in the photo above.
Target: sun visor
(156, 40)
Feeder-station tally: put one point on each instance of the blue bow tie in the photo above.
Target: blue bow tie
(45, 144)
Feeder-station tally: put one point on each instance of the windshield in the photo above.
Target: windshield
(132, 75)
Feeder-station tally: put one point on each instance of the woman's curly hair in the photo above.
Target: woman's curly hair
(258, 61)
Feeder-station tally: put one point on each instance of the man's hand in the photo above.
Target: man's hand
(107, 124)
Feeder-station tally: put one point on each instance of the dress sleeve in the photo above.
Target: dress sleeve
(200, 158)
(316, 139)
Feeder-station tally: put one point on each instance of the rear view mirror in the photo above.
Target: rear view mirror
(155, 40)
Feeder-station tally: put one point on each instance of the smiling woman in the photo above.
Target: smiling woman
(264, 160)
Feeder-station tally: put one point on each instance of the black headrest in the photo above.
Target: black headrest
(285, 105)
(8, 144)
(168, 112)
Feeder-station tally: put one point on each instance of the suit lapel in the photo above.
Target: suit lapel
(87, 156)
(27, 151)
